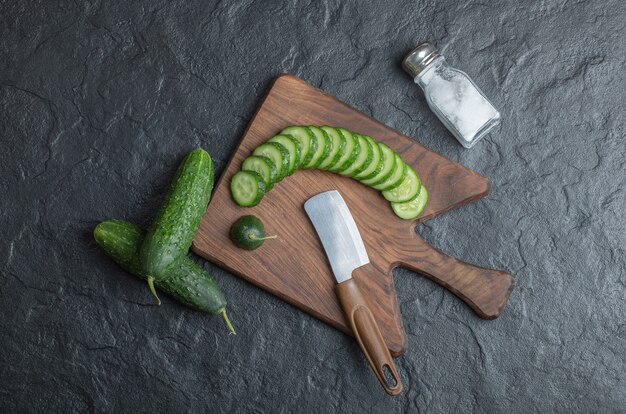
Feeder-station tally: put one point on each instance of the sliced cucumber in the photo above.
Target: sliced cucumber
(396, 178)
(413, 208)
(247, 188)
(263, 166)
(322, 144)
(388, 160)
(279, 156)
(351, 151)
(332, 149)
(363, 160)
(293, 146)
(308, 145)
(407, 190)
(375, 165)
(337, 148)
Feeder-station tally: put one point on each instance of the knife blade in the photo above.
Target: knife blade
(345, 250)
(338, 232)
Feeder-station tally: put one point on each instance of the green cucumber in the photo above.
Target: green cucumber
(185, 280)
(293, 147)
(248, 233)
(396, 178)
(375, 164)
(247, 188)
(363, 160)
(351, 151)
(407, 190)
(262, 166)
(388, 159)
(413, 208)
(337, 148)
(278, 154)
(322, 144)
(176, 223)
(307, 143)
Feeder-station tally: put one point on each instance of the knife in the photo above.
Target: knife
(345, 250)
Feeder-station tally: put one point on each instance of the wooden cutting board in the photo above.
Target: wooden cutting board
(295, 268)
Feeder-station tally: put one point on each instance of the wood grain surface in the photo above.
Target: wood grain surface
(294, 266)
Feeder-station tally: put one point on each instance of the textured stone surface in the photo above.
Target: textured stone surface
(100, 100)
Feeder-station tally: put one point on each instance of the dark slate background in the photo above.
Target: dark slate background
(100, 100)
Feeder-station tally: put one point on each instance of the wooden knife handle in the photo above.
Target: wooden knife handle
(486, 291)
(367, 334)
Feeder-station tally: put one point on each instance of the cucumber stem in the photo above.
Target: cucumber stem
(253, 237)
(153, 290)
(230, 326)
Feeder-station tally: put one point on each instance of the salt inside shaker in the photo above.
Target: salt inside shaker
(451, 95)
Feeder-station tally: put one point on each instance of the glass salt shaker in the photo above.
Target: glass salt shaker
(451, 95)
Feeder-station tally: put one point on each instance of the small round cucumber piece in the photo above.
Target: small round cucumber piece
(407, 190)
(363, 160)
(351, 151)
(322, 144)
(396, 178)
(388, 159)
(376, 164)
(413, 208)
(308, 145)
(293, 147)
(247, 188)
(337, 148)
(248, 233)
(278, 154)
(262, 166)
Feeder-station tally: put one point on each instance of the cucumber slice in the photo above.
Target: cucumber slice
(363, 160)
(308, 145)
(323, 147)
(247, 188)
(388, 160)
(279, 156)
(375, 165)
(396, 178)
(337, 148)
(264, 167)
(407, 190)
(293, 146)
(351, 151)
(413, 208)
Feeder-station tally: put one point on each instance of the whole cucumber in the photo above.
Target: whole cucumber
(185, 280)
(176, 223)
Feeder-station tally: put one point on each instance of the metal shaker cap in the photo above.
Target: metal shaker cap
(419, 58)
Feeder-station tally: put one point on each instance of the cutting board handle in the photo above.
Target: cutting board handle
(486, 291)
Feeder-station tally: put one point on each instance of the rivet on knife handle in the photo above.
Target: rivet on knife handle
(368, 335)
